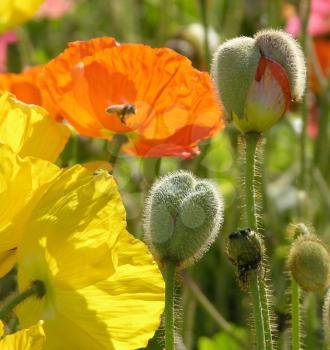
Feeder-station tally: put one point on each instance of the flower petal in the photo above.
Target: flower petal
(15, 12)
(29, 130)
(174, 104)
(72, 229)
(32, 338)
(110, 314)
(22, 183)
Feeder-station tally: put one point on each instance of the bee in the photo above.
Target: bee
(121, 110)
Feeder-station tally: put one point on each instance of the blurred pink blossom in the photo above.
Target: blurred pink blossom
(5, 39)
(319, 20)
(55, 8)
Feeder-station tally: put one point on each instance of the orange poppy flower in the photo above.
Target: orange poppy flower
(154, 96)
(24, 86)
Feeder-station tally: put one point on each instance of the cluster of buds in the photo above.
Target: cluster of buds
(183, 216)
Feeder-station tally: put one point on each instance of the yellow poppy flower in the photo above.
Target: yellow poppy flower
(15, 12)
(103, 289)
(32, 338)
(22, 183)
(29, 130)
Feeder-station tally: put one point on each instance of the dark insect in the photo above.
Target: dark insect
(122, 111)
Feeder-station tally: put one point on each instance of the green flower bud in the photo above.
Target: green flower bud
(309, 263)
(245, 250)
(257, 78)
(183, 216)
(294, 230)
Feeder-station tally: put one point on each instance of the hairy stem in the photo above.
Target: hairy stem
(170, 270)
(252, 140)
(257, 310)
(266, 314)
(295, 314)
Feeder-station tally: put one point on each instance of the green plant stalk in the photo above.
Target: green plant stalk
(251, 144)
(35, 289)
(295, 315)
(170, 270)
(257, 310)
(266, 315)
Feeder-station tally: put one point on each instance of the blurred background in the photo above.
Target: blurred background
(295, 177)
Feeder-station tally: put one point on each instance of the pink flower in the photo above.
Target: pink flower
(55, 8)
(5, 39)
(319, 20)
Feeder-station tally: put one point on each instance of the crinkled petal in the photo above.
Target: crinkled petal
(32, 338)
(22, 183)
(73, 229)
(174, 104)
(29, 130)
(121, 312)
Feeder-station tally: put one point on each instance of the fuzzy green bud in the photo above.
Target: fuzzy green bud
(245, 250)
(183, 216)
(309, 263)
(258, 77)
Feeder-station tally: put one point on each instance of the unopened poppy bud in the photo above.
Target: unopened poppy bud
(183, 216)
(309, 263)
(258, 77)
(245, 250)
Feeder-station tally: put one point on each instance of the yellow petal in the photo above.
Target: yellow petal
(1, 329)
(73, 229)
(15, 12)
(29, 130)
(32, 338)
(22, 183)
(122, 312)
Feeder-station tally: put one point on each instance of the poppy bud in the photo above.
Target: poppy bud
(183, 216)
(309, 263)
(245, 250)
(258, 77)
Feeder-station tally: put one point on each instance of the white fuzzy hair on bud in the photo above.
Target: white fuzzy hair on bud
(182, 217)
(284, 49)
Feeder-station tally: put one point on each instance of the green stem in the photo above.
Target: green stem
(251, 143)
(251, 140)
(170, 270)
(295, 313)
(37, 288)
(266, 314)
(115, 146)
(257, 310)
